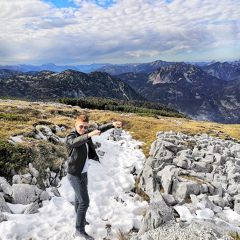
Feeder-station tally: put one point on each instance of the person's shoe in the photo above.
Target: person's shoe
(83, 235)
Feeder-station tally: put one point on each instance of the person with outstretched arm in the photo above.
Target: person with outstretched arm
(80, 149)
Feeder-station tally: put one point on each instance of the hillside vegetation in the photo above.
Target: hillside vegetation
(20, 118)
(142, 108)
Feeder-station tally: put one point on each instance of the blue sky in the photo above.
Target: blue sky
(61, 3)
(118, 31)
(71, 3)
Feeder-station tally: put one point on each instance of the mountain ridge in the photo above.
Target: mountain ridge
(69, 83)
(191, 91)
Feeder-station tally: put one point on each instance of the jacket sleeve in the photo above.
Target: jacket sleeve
(102, 128)
(73, 141)
(105, 127)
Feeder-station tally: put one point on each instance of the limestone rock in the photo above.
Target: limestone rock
(166, 176)
(32, 208)
(27, 178)
(25, 194)
(202, 167)
(169, 199)
(157, 214)
(3, 205)
(184, 189)
(33, 171)
(2, 217)
(55, 191)
(16, 179)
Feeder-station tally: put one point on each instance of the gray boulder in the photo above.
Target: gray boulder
(101, 153)
(183, 189)
(184, 163)
(3, 205)
(235, 150)
(202, 167)
(32, 208)
(163, 154)
(115, 134)
(146, 237)
(55, 191)
(154, 162)
(25, 194)
(219, 159)
(33, 171)
(34, 181)
(44, 196)
(169, 199)
(27, 178)
(2, 217)
(207, 201)
(237, 208)
(166, 177)
(159, 143)
(16, 179)
(6, 188)
(158, 213)
(146, 179)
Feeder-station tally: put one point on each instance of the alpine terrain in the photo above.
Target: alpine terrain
(191, 91)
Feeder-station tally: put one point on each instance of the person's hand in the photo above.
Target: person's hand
(117, 124)
(94, 132)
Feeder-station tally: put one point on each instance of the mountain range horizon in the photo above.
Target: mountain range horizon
(87, 68)
(203, 91)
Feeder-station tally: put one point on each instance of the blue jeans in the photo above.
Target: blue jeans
(81, 203)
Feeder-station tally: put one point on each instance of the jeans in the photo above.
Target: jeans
(81, 203)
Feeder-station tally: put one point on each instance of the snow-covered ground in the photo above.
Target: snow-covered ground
(111, 200)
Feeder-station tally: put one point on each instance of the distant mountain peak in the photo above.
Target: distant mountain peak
(68, 83)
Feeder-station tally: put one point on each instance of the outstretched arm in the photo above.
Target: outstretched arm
(102, 128)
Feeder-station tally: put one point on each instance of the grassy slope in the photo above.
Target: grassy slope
(141, 128)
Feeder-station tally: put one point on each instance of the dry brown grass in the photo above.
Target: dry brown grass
(195, 179)
(235, 236)
(141, 128)
(121, 235)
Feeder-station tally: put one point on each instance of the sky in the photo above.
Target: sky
(118, 31)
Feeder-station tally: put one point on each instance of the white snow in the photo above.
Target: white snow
(184, 213)
(17, 208)
(205, 213)
(186, 77)
(231, 215)
(111, 200)
(17, 139)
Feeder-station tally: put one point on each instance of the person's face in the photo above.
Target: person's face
(81, 127)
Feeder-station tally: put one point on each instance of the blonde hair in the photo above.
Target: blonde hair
(82, 118)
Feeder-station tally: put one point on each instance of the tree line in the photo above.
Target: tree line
(143, 108)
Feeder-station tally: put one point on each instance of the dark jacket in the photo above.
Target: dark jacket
(77, 151)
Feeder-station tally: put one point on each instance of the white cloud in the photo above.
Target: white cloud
(32, 30)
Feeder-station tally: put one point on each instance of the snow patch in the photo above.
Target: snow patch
(111, 199)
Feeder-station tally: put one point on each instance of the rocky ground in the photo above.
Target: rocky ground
(175, 231)
(29, 188)
(192, 184)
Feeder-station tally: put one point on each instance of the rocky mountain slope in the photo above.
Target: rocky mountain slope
(225, 71)
(134, 67)
(7, 73)
(69, 83)
(191, 91)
